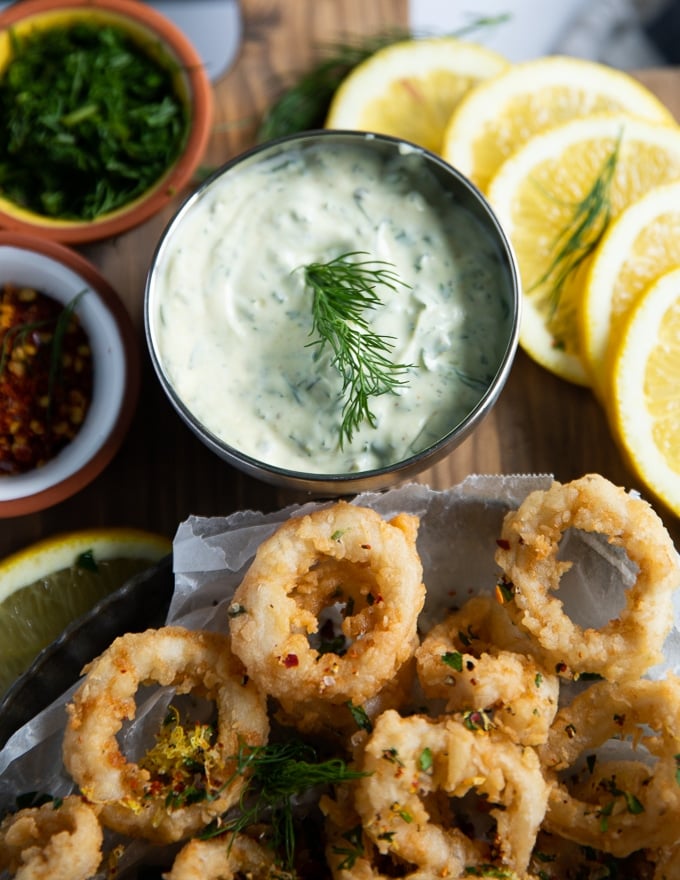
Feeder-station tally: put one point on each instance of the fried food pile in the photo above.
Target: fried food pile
(508, 741)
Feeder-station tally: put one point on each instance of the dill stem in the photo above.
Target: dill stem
(580, 236)
(343, 289)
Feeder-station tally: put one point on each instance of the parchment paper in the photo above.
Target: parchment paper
(456, 541)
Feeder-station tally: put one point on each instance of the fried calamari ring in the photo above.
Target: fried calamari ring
(350, 852)
(61, 840)
(666, 862)
(632, 803)
(411, 761)
(132, 800)
(344, 556)
(626, 646)
(224, 858)
(462, 661)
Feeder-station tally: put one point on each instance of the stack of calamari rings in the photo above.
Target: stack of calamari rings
(507, 741)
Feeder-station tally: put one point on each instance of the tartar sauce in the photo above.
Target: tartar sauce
(231, 317)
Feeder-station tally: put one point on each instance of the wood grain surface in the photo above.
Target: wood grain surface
(162, 473)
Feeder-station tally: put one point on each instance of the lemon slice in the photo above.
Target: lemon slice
(50, 583)
(639, 246)
(645, 403)
(496, 117)
(409, 89)
(554, 197)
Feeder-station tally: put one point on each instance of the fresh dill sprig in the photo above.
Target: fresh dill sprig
(581, 235)
(305, 104)
(277, 772)
(343, 290)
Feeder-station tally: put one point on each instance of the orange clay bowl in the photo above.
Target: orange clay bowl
(169, 48)
(61, 273)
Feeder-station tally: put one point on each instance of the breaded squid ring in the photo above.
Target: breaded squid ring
(344, 555)
(626, 646)
(224, 858)
(132, 802)
(640, 803)
(462, 660)
(350, 852)
(61, 840)
(411, 760)
(666, 863)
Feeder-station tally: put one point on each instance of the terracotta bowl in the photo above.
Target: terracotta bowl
(62, 274)
(168, 46)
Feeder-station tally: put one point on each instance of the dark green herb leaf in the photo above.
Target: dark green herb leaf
(454, 659)
(88, 121)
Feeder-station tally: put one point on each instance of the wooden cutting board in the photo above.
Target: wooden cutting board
(163, 473)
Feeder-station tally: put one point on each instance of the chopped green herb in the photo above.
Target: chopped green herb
(402, 813)
(454, 659)
(88, 121)
(425, 760)
(363, 722)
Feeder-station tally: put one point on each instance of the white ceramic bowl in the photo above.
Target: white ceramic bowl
(61, 273)
(203, 300)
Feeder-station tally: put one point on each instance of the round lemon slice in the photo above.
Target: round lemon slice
(409, 89)
(500, 114)
(639, 246)
(52, 582)
(644, 407)
(555, 198)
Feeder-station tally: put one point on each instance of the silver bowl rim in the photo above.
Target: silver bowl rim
(359, 481)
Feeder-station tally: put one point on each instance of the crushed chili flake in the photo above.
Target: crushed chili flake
(45, 378)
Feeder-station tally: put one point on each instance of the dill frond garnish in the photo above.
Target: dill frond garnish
(342, 291)
(305, 104)
(277, 772)
(580, 236)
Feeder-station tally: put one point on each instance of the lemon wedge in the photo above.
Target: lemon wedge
(644, 407)
(500, 114)
(555, 197)
(409, 89)
(52, 582)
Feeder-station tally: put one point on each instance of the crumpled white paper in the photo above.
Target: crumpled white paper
(456, 542)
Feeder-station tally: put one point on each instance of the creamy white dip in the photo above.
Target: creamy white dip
(230, 313)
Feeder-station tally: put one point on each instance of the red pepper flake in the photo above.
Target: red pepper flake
(503, 543)
(46, 378)
(290, 661)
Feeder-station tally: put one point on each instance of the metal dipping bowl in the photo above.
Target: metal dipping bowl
(436, 176)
